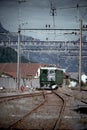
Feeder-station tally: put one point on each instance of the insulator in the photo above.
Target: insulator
(83, 26)
(75, 33)
(72, 32)
(46, 25)
(77, 6)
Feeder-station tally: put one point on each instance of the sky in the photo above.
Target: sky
(38, 14)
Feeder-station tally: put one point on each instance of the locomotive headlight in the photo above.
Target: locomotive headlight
(54, 86)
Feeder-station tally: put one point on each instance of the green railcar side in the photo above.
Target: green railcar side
(59, 77)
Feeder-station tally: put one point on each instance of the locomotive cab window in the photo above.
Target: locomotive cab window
(51, 75)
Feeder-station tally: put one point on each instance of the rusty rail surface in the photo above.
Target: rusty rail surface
(58, 121)
(13, 97)
(33, 110)
(43, 93)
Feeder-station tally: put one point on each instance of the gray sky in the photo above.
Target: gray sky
(36, 13)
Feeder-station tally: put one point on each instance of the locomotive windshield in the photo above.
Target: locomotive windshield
(51, 75)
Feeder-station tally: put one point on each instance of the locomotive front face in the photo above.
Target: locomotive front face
(47, 77)
(50, 76)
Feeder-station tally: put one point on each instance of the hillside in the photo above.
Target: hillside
(6, 35)
(9, 55)
(64, 55)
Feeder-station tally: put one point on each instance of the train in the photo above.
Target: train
(51, 77)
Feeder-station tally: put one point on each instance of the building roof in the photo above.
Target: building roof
(27, 69)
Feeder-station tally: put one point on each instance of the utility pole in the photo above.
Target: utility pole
(53, 12)
(80, 55)
(18, 59)
(19, 51)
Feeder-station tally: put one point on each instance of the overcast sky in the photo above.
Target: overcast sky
(36, 14)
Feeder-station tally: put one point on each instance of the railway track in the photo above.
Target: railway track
(48, 114)
(13, 97)
(11, 127)
(58, 121)
(9, 101)
(44, 109)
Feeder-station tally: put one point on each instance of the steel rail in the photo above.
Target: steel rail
(13, 97)
(58, 121)
(29, 113)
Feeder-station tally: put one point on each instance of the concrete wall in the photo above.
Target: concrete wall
(10, 83)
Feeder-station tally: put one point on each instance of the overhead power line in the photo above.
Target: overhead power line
(73, 7)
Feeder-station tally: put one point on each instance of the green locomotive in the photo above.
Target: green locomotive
(51, 77)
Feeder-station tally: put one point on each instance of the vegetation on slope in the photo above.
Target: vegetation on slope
(9, 55)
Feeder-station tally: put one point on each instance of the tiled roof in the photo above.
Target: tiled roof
(27, 69)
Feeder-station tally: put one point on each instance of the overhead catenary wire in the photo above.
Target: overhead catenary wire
(74, 7)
